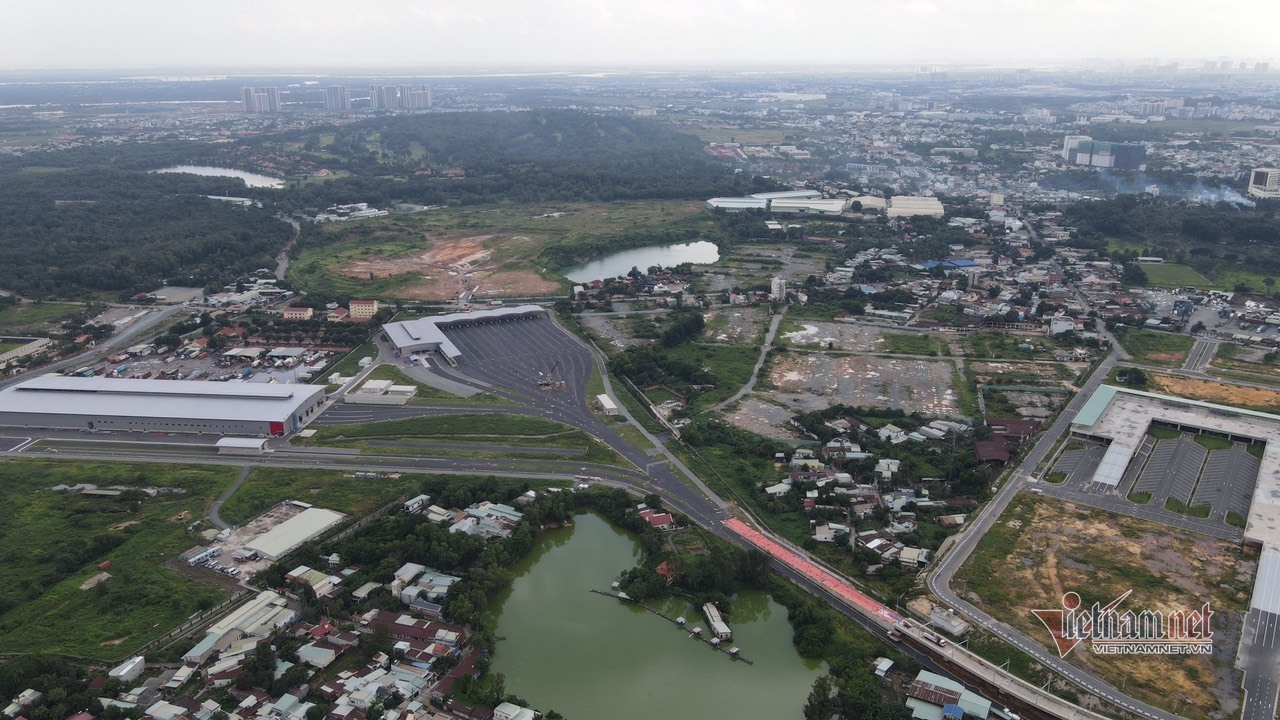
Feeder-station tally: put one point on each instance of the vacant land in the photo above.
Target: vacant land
(1157, 348)
(35, 318)
(812, 381)
(737, 326)
(439, 253)
(1215, 391)
(1043, 548)
(53, 542)
(1244, 359)
(1002, 345)
(332, 489)
(766, 419)
(1171, 275)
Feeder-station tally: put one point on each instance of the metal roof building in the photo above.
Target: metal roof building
(175, 406)
(292, 533)
(426, 335)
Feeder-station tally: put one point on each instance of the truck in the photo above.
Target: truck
(246, 373)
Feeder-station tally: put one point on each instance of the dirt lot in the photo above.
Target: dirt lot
(757, 263)
(813, 381)
(996, 373)
(1043, 548)
(845, 336)
(762, 418)
(737, 326)
(452, 265)
(1217, 391)
(615, 330)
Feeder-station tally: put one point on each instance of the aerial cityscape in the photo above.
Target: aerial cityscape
(598, 360)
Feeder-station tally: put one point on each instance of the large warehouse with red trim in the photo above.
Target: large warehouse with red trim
(172, 406)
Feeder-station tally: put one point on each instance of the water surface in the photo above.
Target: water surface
(589, 656)
(250, 179)
(620, 263)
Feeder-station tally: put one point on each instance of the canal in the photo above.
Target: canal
(589, 656)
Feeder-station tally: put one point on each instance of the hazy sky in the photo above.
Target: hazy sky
(298, 34)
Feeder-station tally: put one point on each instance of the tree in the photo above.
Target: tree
(1134, 275)
(1133, 377)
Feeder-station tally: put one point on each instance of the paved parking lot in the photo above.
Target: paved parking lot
(1178, 468)
(1172, 470)
(1228, 481)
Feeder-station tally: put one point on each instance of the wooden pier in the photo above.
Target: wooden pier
(668, 618)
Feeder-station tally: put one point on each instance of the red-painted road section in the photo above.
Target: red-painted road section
(833, 583)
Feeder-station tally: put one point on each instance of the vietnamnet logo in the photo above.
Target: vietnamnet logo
(1112, 631)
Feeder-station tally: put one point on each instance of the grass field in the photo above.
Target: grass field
(1173, 275)
(7, 346)
(730, 364)
(996, 345)
(914, 344)
(35, 317)
(468, 431)
(332, 489)
(52, 542)
(1041, 548)
(350, 365)
(1156, 348)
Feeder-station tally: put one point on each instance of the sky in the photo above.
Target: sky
(427, 34)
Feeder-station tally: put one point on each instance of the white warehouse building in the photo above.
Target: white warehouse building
(425, 335)
(292, 533)
(172, 406)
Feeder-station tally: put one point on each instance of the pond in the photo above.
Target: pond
(250, 179)
(620, 263)
(585, 655)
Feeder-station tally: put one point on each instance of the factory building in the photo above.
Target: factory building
(425, 335)
(292, 533)
(170, 406)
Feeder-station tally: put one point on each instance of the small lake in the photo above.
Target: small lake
(589, 656)
(620, 263)
(250, 179)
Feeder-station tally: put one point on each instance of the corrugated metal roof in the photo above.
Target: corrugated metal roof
(62, 395)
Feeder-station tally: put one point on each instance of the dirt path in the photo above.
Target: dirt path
(755, 372)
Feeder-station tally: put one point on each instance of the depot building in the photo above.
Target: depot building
(170, 406)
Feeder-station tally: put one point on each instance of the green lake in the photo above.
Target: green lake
(588, 656)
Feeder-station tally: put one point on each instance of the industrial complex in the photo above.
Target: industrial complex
(426, 335)
(1120, 419)
(173, 406)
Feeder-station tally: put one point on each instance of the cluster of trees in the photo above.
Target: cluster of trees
(65, 686)
(534, 156)
(1213, 237)
(73, 232)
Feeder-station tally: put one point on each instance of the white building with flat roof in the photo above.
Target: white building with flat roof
(292, 533)
(172, 406)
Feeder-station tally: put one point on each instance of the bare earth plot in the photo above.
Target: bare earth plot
(813, 381)
(451, 265)
(842, 336)
(1215, 391)
(757, 263)
(737, 326)
(1042, 548)
(762, 418)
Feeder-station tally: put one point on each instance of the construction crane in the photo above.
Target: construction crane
(549, 381)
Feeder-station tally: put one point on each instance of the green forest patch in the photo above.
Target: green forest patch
(53, 542)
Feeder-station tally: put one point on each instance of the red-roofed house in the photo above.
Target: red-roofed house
(662, 521)
(337, 315)
(298, 313)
